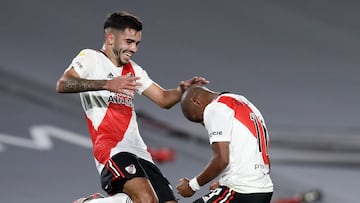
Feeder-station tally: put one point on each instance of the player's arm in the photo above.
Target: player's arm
(162, 97)
(217, 163)
(70, 82)
(166, 98)
(217, 119)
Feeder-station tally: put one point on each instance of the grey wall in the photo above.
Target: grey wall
(296, 60)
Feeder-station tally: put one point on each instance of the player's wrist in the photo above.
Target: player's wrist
(194, 184)
(180, 89)
(106, 85)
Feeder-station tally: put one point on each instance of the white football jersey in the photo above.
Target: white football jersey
(232, 118)
(110, 116)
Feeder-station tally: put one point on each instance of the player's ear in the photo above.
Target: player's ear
(196, 101)
(109, 37)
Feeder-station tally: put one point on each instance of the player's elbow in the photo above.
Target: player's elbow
(60, 86)
(223, 162)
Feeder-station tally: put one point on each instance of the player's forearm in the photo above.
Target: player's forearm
(171, 97)
(212, 170)
(73, 85)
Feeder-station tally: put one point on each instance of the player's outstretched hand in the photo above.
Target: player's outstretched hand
(123, 84)
(184, 188)
(195, 81)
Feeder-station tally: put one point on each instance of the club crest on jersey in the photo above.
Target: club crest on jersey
(131, 169)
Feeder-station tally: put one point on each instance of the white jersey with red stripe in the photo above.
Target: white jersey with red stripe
(232, 118)
(110, 116)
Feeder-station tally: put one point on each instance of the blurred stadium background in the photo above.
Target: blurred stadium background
(296, 60)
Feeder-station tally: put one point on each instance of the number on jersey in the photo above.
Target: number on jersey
(262, 137)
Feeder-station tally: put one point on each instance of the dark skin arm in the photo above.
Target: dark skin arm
(216, 165)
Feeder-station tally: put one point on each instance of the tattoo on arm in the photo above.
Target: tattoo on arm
(73, 85)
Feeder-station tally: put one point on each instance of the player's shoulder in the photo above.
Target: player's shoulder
(215, 106)
(224, 102)
(238, 97)
(88, 53)
(134, 64)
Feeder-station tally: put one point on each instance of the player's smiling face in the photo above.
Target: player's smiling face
(126, 43)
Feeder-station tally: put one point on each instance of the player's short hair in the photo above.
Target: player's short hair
(122, 20)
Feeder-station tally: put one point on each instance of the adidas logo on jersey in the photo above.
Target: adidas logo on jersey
(110, 75)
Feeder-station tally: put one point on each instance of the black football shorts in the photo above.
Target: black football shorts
(125, 166)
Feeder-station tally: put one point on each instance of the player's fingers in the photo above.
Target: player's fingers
(201, 80)
(133, 78)
(136, 84)
(127, 92)
(182, 83)
(132, 84)
(214, 185)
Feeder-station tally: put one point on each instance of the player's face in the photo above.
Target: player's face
(198, 117)
(126, 43)
(195, 115)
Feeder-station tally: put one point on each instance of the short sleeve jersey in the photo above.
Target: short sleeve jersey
(232, 118)
(110, 116)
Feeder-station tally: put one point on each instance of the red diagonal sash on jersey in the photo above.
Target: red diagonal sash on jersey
(246, 116)
(113, 126)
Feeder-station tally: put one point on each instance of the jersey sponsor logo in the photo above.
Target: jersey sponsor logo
(259, 166)
(264, 168)
(119, 98)
(91, 101)
(131, 169)
(79, 64)
(215, 133)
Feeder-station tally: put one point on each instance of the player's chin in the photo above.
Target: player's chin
(124, 62)
(125, 59)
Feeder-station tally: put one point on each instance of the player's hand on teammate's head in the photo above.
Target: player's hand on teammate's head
(123, 84)
(195, 81)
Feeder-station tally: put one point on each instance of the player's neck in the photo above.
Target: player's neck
(211, 96)
(111, 56)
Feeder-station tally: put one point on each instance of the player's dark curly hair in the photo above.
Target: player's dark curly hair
(122, 20)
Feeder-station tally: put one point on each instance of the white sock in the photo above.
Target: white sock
(118, 198)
